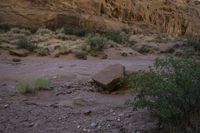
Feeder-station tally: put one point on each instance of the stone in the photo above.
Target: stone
(16, 60)
(109, 77)
(19, 52)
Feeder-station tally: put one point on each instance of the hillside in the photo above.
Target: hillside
(177, 17)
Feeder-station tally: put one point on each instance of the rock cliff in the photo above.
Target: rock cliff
(177, 17)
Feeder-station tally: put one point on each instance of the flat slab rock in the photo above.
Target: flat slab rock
(108, 77)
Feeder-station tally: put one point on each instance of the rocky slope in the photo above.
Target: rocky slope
(177, 17)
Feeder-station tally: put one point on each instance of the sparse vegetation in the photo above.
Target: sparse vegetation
(20, 31)
(4, 28)
(170, 91)
(42, 84)
(43, 31)
(192, 47)
(24, 88)
(76, 31)
(28, 87)
(63, 50)
(24, 43)
(195, 43)
(95, 42)
(81, 55)
(144, 49)
(117, 36)
(42, 51)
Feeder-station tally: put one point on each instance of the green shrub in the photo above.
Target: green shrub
(64, 50)
(195, 43)
(19, 31)
(81, 55)
(144, 49)
(171, 92)
(42, 51)
(117, 36)
(76, 31)
(24, 88)
(95, 42)
(25, 44)
(4, 28)
(27, 87)
(43, 31)
(42, 84)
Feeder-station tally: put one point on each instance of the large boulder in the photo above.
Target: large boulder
(109, 77)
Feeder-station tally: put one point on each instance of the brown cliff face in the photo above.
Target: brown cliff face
(177, 17)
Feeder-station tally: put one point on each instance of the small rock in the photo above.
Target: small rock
(79, 101)
(4, 84)
(6, 106)
(78, 126)
(121, 115)
(85, 130)
(93, 125)
(88, 112)
(16, 60)
(30, 124)
(124, 54)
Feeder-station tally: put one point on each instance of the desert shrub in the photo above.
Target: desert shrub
(62, 36)
(195, 43)
(27, 87)
(42, 84)
(76, 31)
(95, 42)
(24, 88)
(144, 49)
(4, 28)
(19, 31)
(81, 55)
(24, 43)
(43, 31)
(42, 51)
(117, 36)
(171, 92)
(63, 50)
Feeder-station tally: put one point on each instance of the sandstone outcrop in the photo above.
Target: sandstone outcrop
(177, 17)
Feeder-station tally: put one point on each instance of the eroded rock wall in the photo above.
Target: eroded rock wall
(177, 17)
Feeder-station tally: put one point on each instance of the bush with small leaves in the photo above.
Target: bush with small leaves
(42, 84)
(144, 49)
(63, 50)
(81, 55)
(171, 92)
(42, 51)
(76, 31)
(28, 87)
(24, 88)
(195, 43)
(95, 42)
(43, 31)
(117, 36)
(24, 43)
(4, 28)
(19, 31)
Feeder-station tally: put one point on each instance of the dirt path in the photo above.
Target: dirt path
(79, 69)
(73, 105)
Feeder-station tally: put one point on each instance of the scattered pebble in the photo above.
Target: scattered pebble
(16, 60)
(88, 112)
(6, 106)
(78, 126)
(93, 124)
